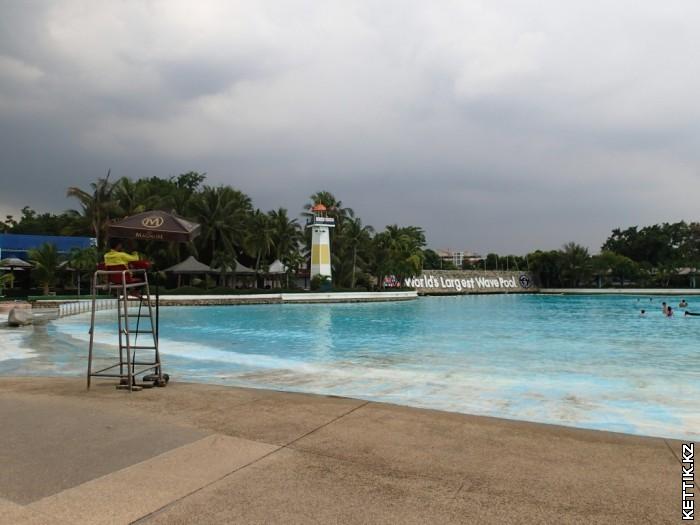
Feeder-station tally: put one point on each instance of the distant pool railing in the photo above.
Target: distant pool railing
(80, 307)
(64, 309)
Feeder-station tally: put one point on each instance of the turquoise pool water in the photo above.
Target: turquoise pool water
(586, 361)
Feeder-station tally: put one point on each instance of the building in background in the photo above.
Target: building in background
(458, 257)
(18, 246)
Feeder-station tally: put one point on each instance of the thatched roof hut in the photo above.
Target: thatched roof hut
(189, 266)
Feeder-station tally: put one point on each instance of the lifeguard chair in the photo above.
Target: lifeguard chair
(134, 318)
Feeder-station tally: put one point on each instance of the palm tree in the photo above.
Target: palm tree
(287, 240)
(575, 263)
(176, 194)
(286, 233)
(46, 260)
(225, 262)
(398, 251)
(98, 206)
(223, 213)
(293, 262)
(260, 240)
(83, 260)
(356, 235)
(6, 278)
(130, 196)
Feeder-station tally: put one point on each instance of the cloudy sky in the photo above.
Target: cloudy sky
(499, 125)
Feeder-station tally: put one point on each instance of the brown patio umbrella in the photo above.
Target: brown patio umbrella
(154, 225)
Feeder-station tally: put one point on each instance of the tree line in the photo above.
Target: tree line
(232, 229)
(660, 255)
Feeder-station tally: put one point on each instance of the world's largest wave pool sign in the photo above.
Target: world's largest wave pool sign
(471, 282)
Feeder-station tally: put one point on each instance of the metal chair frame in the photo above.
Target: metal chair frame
(127, 348)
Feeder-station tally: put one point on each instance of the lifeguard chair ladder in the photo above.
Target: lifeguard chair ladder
(122, 282)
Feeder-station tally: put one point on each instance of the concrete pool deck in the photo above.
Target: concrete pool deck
(192, 453)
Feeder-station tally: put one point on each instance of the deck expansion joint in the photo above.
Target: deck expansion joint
(146, 517)
(670, 448)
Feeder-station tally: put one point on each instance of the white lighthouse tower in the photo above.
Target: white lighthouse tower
(321, 226)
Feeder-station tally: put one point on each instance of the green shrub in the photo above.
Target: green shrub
(320, 283)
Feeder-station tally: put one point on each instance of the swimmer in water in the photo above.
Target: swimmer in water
(643, 313)
(683, 304)
(669, 312)
(664, 308)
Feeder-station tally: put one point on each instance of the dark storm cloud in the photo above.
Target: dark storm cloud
(497, 126)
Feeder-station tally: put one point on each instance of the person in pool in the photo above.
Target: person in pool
(683, 304)
(643, 313)
(664, 308)
(669, 312)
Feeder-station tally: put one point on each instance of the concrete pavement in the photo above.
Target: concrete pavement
(211, 454)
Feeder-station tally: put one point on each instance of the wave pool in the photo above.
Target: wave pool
(585, 361)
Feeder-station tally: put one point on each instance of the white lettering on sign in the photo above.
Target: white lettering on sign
(457, 284)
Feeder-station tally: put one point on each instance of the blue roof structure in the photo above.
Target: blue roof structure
(15, 245)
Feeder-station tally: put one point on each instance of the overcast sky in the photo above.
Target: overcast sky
(496, 125)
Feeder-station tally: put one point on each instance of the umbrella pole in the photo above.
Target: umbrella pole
(157, 308)
(157, 326)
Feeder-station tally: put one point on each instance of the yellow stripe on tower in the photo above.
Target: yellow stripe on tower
(325, 254)
(316, 254)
